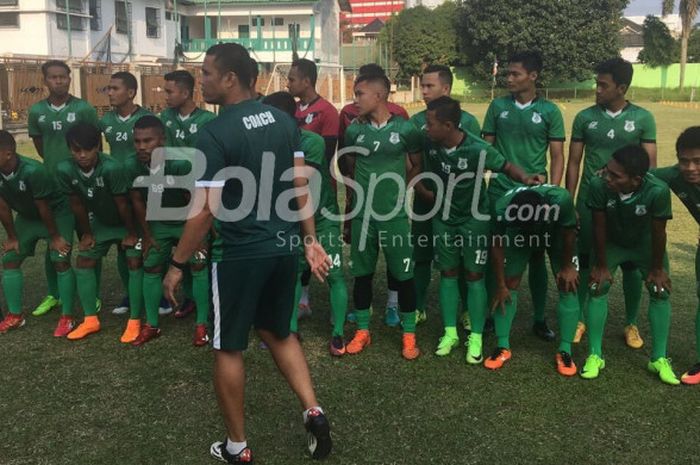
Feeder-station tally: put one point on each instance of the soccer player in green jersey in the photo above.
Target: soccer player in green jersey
(182, 119)
(384, 146)
(684, 180)
(435, 82)
(118, 124)
(159, 237)
(97, 189)
(48, 122)
(612, 123)
(630, 208)
(459, 210)
(523, 126)
(41, 213)
(529, 221)
(327, 224)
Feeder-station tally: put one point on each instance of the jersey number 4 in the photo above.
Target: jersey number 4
(611, 133)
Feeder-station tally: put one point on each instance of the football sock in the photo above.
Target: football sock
(123, 268)
(187, 290)
(66, 286)
(12, 284)
(449, 301)
(597, 315)
(408, 321)
(584, 276)
(568, 313)
(503, 322)
(392, 298)
(632, 289)
(152, 293)
(421, 273)
(537, 279)
(86, 280)
(135, 288)
(660, 322)
(478, 304)
(235, 448)
(697, 331)
(463, 289)
(51, 275)
(339, 301)
(363, 318)
(200, 294)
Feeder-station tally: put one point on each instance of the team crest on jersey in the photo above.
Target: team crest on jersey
(74, 182)
(593, 125)
(640, 210)
(394, 138)
(629, 126)
(22, 186)
(309, 118)
(432, 152)
(536, 118)
(42, 118)
(169, 123)
(193, 128)
(611, 203)
(360, 138)
(71, 117)
(504, 114)
(462, 164)
(100, 182)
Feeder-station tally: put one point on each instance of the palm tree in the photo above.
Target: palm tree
(688, 10)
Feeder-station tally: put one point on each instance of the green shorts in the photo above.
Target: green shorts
(105, 237)
(331, 239)
(167, 236)
(423, 247)
(518, 257)
(247, 293)
(640, 257)
(29, 232)
(466, 244)
(393, 237)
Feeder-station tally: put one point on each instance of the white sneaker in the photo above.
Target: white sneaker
(122, 308)
(165, 308)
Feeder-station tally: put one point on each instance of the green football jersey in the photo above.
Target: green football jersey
(261, 142)
(467, 123)
(602, 134)
(183, 132)
(458, 168)
(29, 182)
(555, 219)
(97, 188)
(52, 123)
(314, 148)
(388, 148)
(628, 218)
(688, 193)
(523, 134)
(119, 132)
(172, 198)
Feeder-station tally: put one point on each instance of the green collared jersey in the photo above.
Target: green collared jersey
(688, 193)
(119, 132)
(29, 182)
(314, 148)
(183, 132)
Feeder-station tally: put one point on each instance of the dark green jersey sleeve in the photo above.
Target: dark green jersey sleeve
(567, 212)
(116, 178)
(63, 177)
(351, 134)
(661, 205)
(89, 115)
(667, 174)
(648, 128)
(494, 160)
(577, 134)
(215, 155)
(489, 127)
(556, 131)
(414, 138)
(33, 122)
(471, 124)
(314, 148)
(41, 183)
(597, 198)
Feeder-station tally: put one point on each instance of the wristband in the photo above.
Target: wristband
(178, 265)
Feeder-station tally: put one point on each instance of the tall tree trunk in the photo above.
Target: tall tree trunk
(684, 57)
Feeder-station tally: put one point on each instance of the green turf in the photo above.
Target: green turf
(98, 402)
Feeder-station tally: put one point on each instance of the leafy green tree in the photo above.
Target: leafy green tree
(688, 9)
(694, 46)
(660, 48)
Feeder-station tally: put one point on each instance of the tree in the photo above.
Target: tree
(572, 35)
(688, 10)
(660, 48)
(419, 36)
(694, 46)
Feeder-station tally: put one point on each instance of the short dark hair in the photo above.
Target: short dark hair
(307, 68)
(532, 199)
(446, 109)
(128, 79)
(7, 141)
(444, 73)
(530, 59)
(282, 100)
(621, 70)
(232, 58)
(182, 78)
(375, 79)
(149, 122)
(254, 71)
(51, 63)
(85, 136)
(689, 139)
(634, 160)
(371, 68)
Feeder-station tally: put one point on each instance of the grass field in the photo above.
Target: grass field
(98, 402)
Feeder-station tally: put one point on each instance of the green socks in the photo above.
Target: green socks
(66, 286)
(200, 294)
(135, 288)
(51, 275)
(632, 288)
(463, 290)
(421, 273)
(152, 293)
(12, 284)
(584, 275)
(339, 302)
(568, 314)
(123, 268)
(697, 331)
(478, 304)
(597, 316)
(503, 322)
(449, 300)
(86, 279)
(363, 318)
(537, 279)
(408, 321)
(660, 322)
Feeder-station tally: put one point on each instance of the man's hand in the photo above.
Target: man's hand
(87, 242)
(171, 285)
(658, 281)
(500, 298)
(535, 180)
(318, 259)
(11, 244)
(600, 276)
(129, 241)
(60, 245)
(567, 278)
(147, 244)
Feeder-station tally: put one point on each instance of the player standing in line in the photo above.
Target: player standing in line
(391, 143)
(523, 126)
(41, 213)
(48, 122)
(96, 186)
(630, 209)
(612, 123)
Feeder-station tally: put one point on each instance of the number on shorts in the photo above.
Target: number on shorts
(407, 263)
(481, 257)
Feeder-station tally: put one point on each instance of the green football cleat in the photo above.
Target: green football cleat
(591, 370)
(46, 305)
(447, 343)
(98, 305)
(662, 367)
(474, 349)
(421, 317)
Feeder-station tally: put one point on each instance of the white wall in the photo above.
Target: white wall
(31, 37)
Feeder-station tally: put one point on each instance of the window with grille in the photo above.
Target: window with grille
(9, 2)
(76, 6)
(9, 20)
(152, 22)
(95, 9)
(243, 31)
(122, 17)
(76, 22)
(278, 21)
(257, 21)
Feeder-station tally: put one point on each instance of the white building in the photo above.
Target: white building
(631, 34)
(426, 3)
